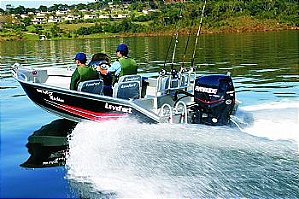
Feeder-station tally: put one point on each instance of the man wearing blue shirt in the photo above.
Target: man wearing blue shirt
(124, 65)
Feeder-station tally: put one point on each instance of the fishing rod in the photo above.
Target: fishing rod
(187, 43)
(176, 41)
(175, 44)
(167, 53)
(198, 33)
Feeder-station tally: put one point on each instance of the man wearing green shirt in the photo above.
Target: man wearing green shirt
(82, 72)
(124, 65)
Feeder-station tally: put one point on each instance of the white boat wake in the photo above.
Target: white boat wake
(124, 158)
(275, 121)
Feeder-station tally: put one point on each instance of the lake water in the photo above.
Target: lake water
(128, 159)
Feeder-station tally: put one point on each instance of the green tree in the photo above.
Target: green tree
(26, 21)
(18, 10)
(55, 30)
(43, 8)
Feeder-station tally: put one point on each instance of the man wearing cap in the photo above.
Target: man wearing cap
(124, 65)
(82, 72)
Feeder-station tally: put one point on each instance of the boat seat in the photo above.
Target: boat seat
(130, 78)
(142, 83)
(127, 90)
(92, 86)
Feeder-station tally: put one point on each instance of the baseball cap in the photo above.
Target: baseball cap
(123, 49)
(80, 56)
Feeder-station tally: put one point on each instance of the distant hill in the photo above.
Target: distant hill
(126, 18)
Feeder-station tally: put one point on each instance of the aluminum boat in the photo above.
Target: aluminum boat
(173, 97)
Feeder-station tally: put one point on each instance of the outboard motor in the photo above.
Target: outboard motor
(214, 97)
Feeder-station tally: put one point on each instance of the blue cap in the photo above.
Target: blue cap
(80, 56)
(123, 49)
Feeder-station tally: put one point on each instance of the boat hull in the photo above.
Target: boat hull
(80, 106)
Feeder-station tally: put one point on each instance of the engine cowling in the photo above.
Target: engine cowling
(214, 97)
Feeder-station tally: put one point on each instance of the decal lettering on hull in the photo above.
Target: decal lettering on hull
(119, 108)
(50, 94)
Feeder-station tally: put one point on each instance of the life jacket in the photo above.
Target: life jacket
(128, 66)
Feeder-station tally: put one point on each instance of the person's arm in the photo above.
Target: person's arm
(115, 68)
(74, 80)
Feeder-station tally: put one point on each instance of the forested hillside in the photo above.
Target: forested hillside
(161, 18)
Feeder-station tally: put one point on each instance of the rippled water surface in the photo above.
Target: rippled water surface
(127, 159)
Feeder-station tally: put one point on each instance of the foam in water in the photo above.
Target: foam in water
(275, 121)
(124, 158)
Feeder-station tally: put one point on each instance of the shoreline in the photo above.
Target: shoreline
(185, 31)
(207, 32)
